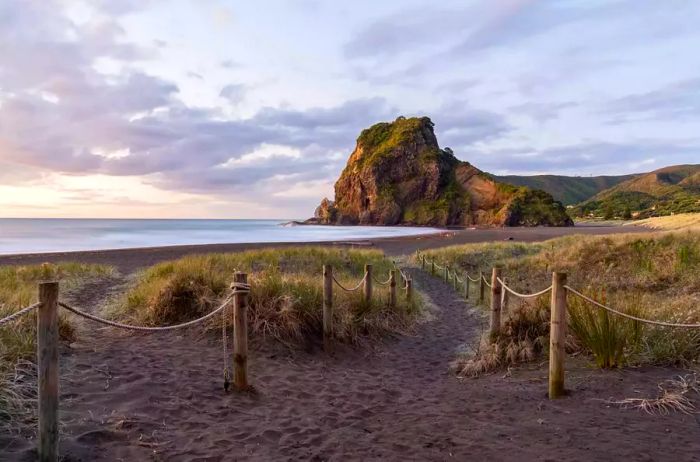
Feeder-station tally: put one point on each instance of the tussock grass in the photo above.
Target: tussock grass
(286, 297)
(18, 289)
(655, 276)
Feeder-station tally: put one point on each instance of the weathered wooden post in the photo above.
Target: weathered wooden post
(482, 287)
(409, 289)
(392, 288)
(466, 286)
(240, 334)
(368, 283)
(495, 326)
(454, 279)
(432, 267)
(47, 357)
(422, 262)
(327, 308)
(447, 272)
(557, 336)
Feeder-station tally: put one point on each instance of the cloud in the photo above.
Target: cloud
(234, 93)
(460, 126)
(592, 157)
(58, 114)
(677, 101)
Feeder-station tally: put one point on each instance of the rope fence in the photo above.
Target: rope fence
(560, 293)
(19, 313)
(357, 287)
(629, 316)
(48, 338)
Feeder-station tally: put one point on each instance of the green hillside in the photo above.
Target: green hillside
(666, 191)
(569, 190)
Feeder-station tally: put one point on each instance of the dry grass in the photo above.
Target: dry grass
(681, 221)
(674, 396)
(656, 275)
(286, 296)
(18, 288)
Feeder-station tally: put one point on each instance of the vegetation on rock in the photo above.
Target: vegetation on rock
(398, 174)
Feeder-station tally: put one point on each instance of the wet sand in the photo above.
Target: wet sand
(128, 260)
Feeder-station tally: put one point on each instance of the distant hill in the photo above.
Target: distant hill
(569, 190)
(666, 191)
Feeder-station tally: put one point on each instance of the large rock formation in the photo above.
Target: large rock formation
(398, 174)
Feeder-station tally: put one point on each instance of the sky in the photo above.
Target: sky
(239, 109)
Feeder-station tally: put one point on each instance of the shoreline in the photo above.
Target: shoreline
(128, 260)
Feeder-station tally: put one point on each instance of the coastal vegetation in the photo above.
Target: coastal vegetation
(18, 289)
(681, 221)
(653, 276)
(286, 299)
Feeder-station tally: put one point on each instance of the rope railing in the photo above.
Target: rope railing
(629, 316)
(558, 308)
(357, 287)
(47, 340)
(19, 313)
(120, 325)
(382, 283)
(518, 294)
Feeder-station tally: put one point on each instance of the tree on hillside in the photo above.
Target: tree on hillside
(627, 214)
(608, 212)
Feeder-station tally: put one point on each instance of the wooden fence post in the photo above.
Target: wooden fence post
(454, 280)
(327, 308)
(557, 336)
(432, 267)
(447, 272)
(409, 289)
(466, 286)
(496, 289)
(392, 288)
(482, 287)
(240, 335)
(47, 356)
(422, 262)
(368, 283)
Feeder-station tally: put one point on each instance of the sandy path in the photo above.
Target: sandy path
(159, 397)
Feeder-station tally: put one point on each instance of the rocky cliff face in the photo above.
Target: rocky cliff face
(398, 174)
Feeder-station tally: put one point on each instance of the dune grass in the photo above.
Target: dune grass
(18, 288)
(681, 221)
(286, 296)
(653, 276)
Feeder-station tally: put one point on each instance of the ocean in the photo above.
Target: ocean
(28, 235)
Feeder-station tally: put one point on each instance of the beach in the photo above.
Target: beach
(160, 397)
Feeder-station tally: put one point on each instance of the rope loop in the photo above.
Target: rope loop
(119, 325)
(362, 281)
(518, 294)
